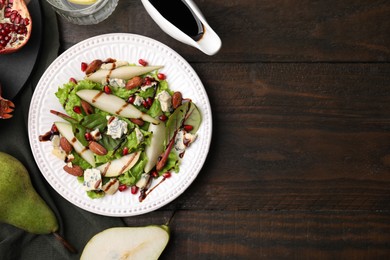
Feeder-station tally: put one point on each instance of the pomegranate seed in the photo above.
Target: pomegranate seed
(188, 127)
(77, 109)
(134, 189)
(145, 104)
(122, 187)
(54, 129)
(88, 136)
(84, 66)
(107, 89)
(149, 100)
(125, 151)
(167, 175)
(155, 174)
(143, 62)
(163, 118)
(73, 80)
(161, 76)
(131, 99)
(147, 81)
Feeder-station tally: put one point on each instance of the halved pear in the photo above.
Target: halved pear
(127, 243)
(66, 131)
(120, 165)
(113, 104)
(123, 72)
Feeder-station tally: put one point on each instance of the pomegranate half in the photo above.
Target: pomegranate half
(15, 25)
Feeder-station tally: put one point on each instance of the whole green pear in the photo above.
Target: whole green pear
(21, 206)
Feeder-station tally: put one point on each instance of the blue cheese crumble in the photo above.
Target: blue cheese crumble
(92, 180)
(116, 127)
(165, 101)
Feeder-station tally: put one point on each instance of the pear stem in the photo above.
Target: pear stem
(65, 243)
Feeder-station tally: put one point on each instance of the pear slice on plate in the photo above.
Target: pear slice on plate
(127, 243)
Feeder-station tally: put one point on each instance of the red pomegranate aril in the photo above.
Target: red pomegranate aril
(149, 100)
(145, 104)
(161, 76)
(155, 174)
(88, 136)
(54, 129)
(131, 99)
(122, 187)
(134, 189)
(143, 62)
(73, 80)
(107, 89)
(77, 109)
(188, 127)
(84, 66)
(163, 118)
(167, 175)
(125, 151)
(147, 81)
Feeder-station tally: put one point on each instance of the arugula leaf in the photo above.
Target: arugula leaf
(110, 143)
(94, 121)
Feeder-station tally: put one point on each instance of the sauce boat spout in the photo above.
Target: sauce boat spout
(182, 20)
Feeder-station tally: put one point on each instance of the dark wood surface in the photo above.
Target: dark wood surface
(299, 166)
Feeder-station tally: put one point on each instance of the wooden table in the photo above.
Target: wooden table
(299, 166)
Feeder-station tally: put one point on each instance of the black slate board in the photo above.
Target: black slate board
(16, 68)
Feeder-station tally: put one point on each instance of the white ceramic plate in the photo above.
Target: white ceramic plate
(129, 47)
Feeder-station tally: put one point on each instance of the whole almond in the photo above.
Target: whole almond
(88, 109)
(97, 148)
(74, 170)
(137, 121)
(65, 145)
(93, 66)
(134, 82)
(177, 98)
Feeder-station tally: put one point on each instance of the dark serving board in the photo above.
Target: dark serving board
(16, 68)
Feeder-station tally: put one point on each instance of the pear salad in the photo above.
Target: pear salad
(123, 127)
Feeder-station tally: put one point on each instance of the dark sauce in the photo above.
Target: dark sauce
(179, 14)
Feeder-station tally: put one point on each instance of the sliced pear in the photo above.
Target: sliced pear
(118, 166)
(124, 72)
(113, 104)
(66, 131)
(156, 145)
(127, 243)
